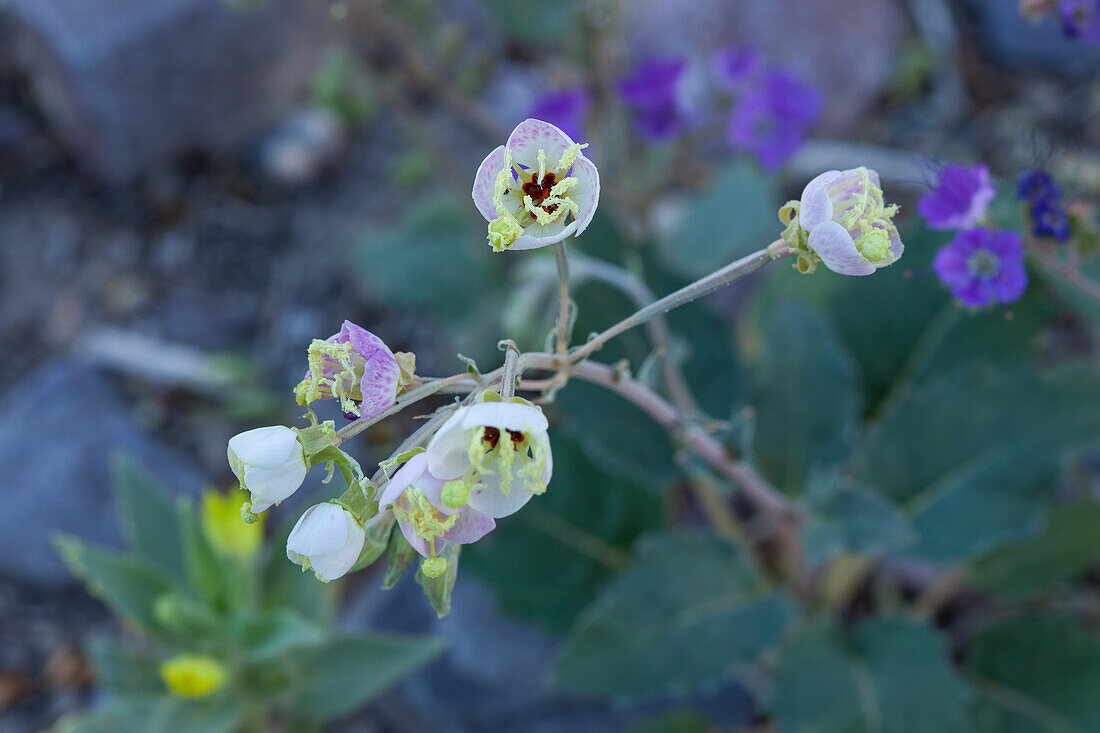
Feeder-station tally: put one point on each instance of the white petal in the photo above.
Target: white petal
(587, 192)
(532, 135)
(485, 183)
(321, 530)
(336, 564)
(447, 453)
(815, 206)
(272, 485)
(544, 443)
(836, 248)
(489, 499)
(537, 235)
(506, 416)
(265, 447)
(413, 469)
(418, 543)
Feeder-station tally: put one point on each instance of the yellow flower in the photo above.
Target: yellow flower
(193, 675)
(224, 528)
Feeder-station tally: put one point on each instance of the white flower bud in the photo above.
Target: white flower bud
(327, 539)
(269, 462)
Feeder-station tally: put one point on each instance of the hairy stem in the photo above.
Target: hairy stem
(562, 328)
(703, 286)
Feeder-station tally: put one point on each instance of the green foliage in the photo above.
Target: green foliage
(735, 216)
(1036, 674)
(888, 674)
(688, 612)
(1068, 544)
(972, 455)
(250, 617)
(550, 561)
(806, 397)
(843, 517)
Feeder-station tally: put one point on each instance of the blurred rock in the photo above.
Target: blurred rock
(129, 83)
(495, 675)
(59, 429)
(847, 48)
(298, 150)
(1008, 40)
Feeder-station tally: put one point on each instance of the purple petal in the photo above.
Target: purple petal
(471, 526)
(381, 372)
(485, 183)
(1010, 283)
(734, 68)
(836, 248)
(565, 108)
(960, 199)
(815, 206)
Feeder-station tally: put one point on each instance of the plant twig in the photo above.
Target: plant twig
(562, 328)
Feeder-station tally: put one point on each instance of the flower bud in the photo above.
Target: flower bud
(269, 462)
(327, 539)
(193, 675)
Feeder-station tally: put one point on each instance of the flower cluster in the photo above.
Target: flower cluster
(658, 92)
(486, 461)
(980, 266)
(1042, 198)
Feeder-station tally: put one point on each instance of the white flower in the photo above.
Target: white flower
(269, 462)
(327, 539)
(849, 224)
(536, 189)
(499, 452)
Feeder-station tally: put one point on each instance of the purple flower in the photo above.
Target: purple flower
(654, 90)
(734, 68)
(1081, 19)
(771, 119)
(983, 266)
(355, 367)
(960, 198)
(565, 108)
(1049, 219)
(1036, 185)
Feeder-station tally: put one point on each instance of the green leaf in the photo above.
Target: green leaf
(806, 396)
(550, 560)
(843, 517)
(125, 670)
(222, 713)
(971, 456)
(735, 215)
(1036, 673)
(129, 585)
(399, 556)
(890, 676)
(287, 586)
(393, 263)
(146, 515)
(114, 717)
(276, 633)
(1068, 545)
(438, 589)
(206, 570)
(342, 674)
(687, 613)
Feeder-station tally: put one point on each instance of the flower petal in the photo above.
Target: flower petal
(336, 564)
(485, 183)
(487, 498)
(836, 248)
(540, 235)
(407, 475)
(471, 526)
(448, 452)
(815, 206)
(321, 530)
(418, 543)
(587, 192)
(506, 416)
(533, 135)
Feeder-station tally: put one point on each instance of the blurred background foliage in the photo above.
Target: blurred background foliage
(162, 278)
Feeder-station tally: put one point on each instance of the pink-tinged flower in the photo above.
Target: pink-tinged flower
(497, 455)
(849, 225)
(982, 266)
(422, 504)
(770, 119)
(565, 108)
(536, 189)
(960, 198)
(355, 367)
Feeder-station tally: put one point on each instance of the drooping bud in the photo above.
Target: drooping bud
(327, 540)
(355, 367)
(269, 462)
